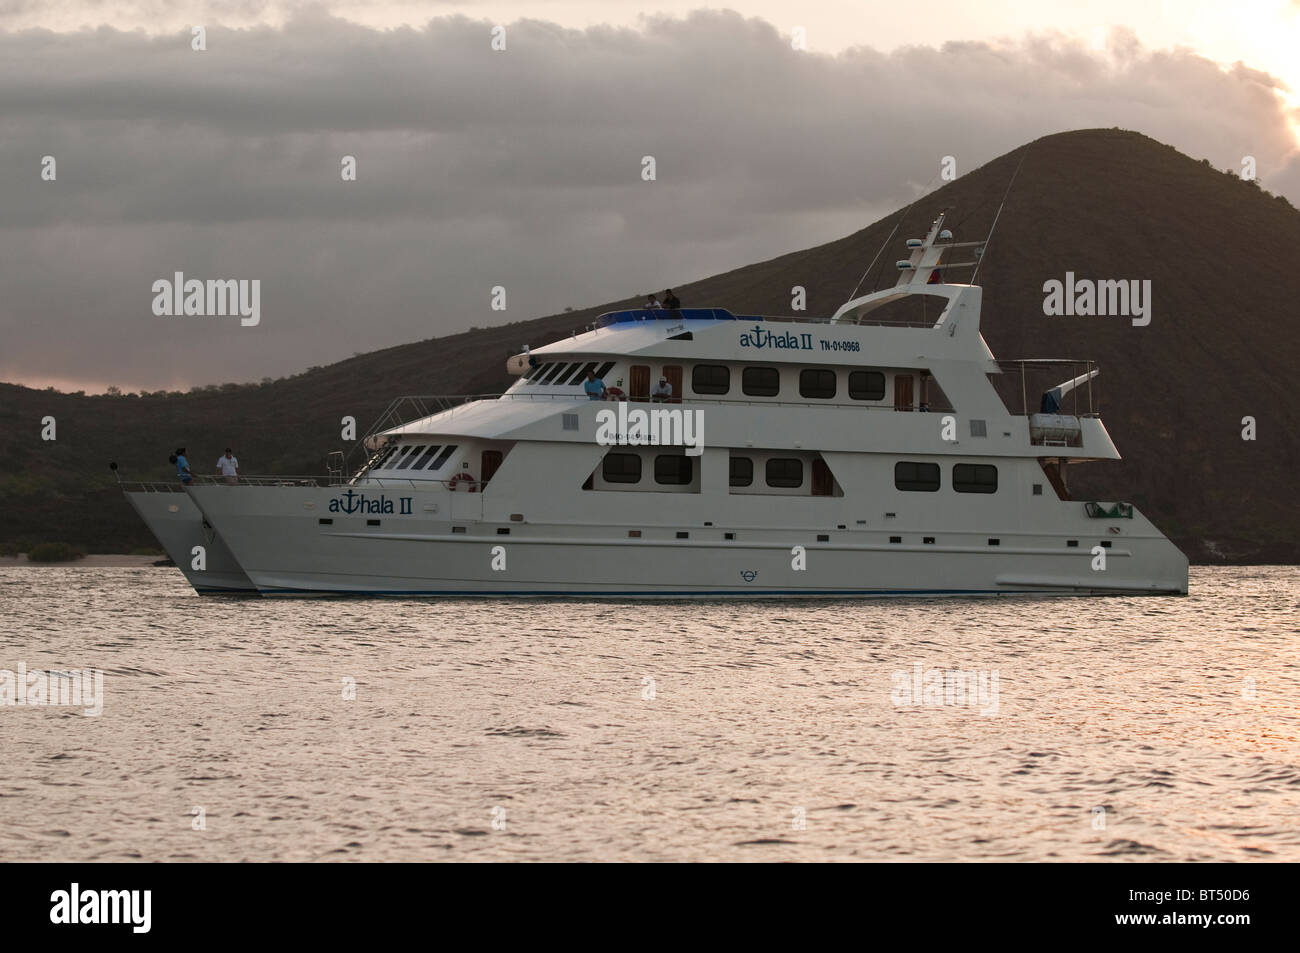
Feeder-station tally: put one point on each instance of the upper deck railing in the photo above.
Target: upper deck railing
(722, 314)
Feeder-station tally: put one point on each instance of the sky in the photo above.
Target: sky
(127, 155)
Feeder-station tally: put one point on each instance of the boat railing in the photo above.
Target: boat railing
(151, 486)
(329, 480)
(581, 399)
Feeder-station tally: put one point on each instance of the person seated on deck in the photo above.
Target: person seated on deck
(594, 386)
(652, 304)
(671, 301)
(663, 391)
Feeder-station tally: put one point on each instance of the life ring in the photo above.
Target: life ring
(613, 393)
(463, 478)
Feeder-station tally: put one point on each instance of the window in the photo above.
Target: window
(425, 458)
(673, 469)
(575, 375)
(742, 471)
(621, 468)
(604, 369)
(711, 379)
(916, 476)
(555, 369)
(817, 382)
(974, 478)
(784, 472)
(385, 457)
(535, 370)
(979, 428)
(447, 451)
(866, 385)
(761, 381)
(409, 458)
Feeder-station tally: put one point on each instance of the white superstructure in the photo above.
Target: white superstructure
(831, 457)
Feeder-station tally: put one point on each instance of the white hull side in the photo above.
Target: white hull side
(284, 549)
(179, 530)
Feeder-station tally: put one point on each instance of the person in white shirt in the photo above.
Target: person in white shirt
(228, 467)
(662, 391)
(651, 303)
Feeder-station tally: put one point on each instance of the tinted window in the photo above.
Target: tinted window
(761, 381)
(785, 472)
(579, 374)
(425, 458)
(974, 478)
(866, 385)
(916, 476)
(409, 458)
(447, 451)
(742, 471)
(621, 468)
(387, 455)
(604, 369)
(673, 469)
(817, 382)
(555, 369)
(711, 379)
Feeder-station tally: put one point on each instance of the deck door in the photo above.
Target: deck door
(638, 387)
(902, 391)
(823, 484)
(490, 463)
(674, 374)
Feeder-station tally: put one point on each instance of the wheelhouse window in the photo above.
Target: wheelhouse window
(785, 472)
(974, 478)
(410, 458)
(742, 471)
(579, 374)
(711, 378)
(385, 457)
(673, 469)
(621, 468)
(761, 381)
(922, 477)
(604, 369)
(426, 457)
(447, 451)
(817, 382)
(549, 375)
(866, 385)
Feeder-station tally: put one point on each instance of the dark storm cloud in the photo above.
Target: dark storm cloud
(479, 168)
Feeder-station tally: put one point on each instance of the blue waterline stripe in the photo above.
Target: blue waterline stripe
(755, 593)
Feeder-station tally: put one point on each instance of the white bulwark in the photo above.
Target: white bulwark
(852, 456)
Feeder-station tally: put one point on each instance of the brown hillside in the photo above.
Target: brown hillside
(1222, 255)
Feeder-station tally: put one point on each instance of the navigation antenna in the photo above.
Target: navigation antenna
(984, 249)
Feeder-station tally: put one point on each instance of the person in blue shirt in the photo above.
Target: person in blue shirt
(594, 386)
(183, 466)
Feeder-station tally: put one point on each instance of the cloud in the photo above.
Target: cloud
(519, 168)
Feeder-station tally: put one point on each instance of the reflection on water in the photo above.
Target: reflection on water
(1125, 729)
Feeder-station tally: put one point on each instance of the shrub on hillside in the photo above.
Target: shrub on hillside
(54, 553)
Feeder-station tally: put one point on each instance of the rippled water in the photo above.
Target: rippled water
(661, 731)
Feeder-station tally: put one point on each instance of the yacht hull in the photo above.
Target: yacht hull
(178, 526)
(286, 547)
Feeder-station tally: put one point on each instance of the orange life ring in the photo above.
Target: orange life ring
(463, 478)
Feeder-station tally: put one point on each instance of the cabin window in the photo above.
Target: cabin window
(818, 382)
(574, 375)
(385, 457)
(711, 378)
(555, 369)
(866, 385)
(974, 478)
(425, 458)
(621, 468)
(674, 469)
(604, 369)
(785, 472)
(409, 458)
(923, 477)
(535, 370)
(742, 471)
(761, 381)
(447, 451)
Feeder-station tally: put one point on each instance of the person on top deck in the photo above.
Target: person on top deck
(594, 386)
(671, 301)
(183, 466)
(652, 303)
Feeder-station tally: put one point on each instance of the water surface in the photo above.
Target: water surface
(1125, 728)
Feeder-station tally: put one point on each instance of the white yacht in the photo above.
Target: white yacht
(834, 457)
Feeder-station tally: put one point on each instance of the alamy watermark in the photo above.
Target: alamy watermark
(657, 427)
(212, 298)
(78, 688)
(1083, 296)
(939, 688)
